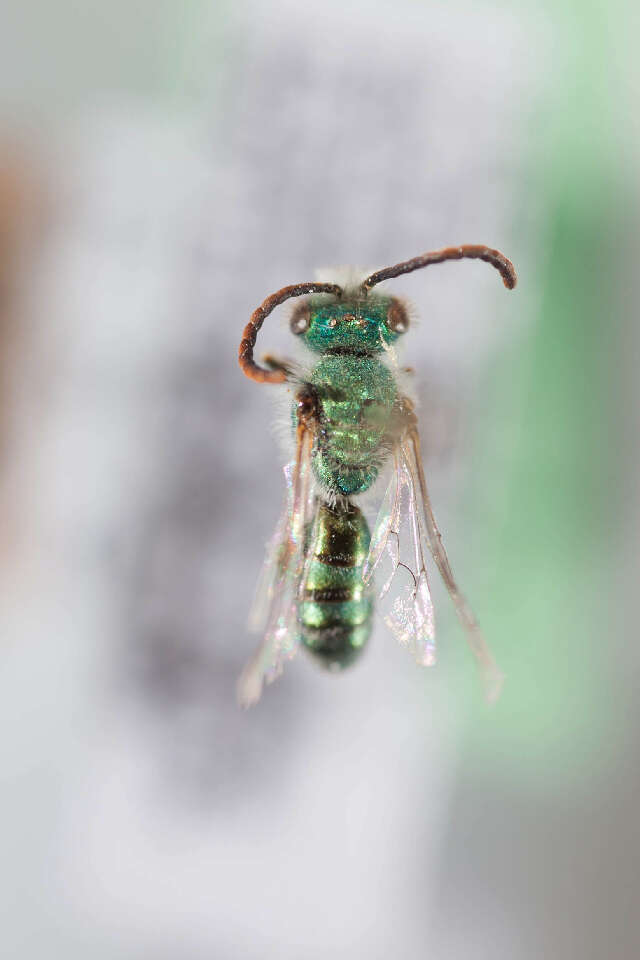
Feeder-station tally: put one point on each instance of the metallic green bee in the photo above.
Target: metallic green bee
(350, 419)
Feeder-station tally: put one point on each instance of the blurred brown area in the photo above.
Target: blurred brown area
(22, 203)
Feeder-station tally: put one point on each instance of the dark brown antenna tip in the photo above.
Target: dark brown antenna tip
(245, 351)
(469, 251)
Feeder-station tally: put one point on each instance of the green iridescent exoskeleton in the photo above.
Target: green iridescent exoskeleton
(355, 391)
(354, 395)
(350, 419)
(336, 606)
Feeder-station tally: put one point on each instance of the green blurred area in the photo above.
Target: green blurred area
(552, 439)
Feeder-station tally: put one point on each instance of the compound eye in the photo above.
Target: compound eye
(397, 317)
(300, 319)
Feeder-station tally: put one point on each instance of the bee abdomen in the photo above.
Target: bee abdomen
(329, 595)
(335, 609)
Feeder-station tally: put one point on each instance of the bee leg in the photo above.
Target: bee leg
(280, 639)
(306, 415)
(288, 367)
(492, 676)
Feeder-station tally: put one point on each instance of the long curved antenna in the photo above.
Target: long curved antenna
(245, 351)
(469, 251)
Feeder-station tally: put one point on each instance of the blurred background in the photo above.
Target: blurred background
(163, 167)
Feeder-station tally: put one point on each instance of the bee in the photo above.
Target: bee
(351, 419)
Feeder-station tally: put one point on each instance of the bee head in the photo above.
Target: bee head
(354, 320)
(360, 324)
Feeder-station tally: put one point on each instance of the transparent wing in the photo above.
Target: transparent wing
(398, 543)
(404, 534)
(271, 572)
(274, 609)
(492, 676)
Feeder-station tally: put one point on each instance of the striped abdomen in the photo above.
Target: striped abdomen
(335, 610)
